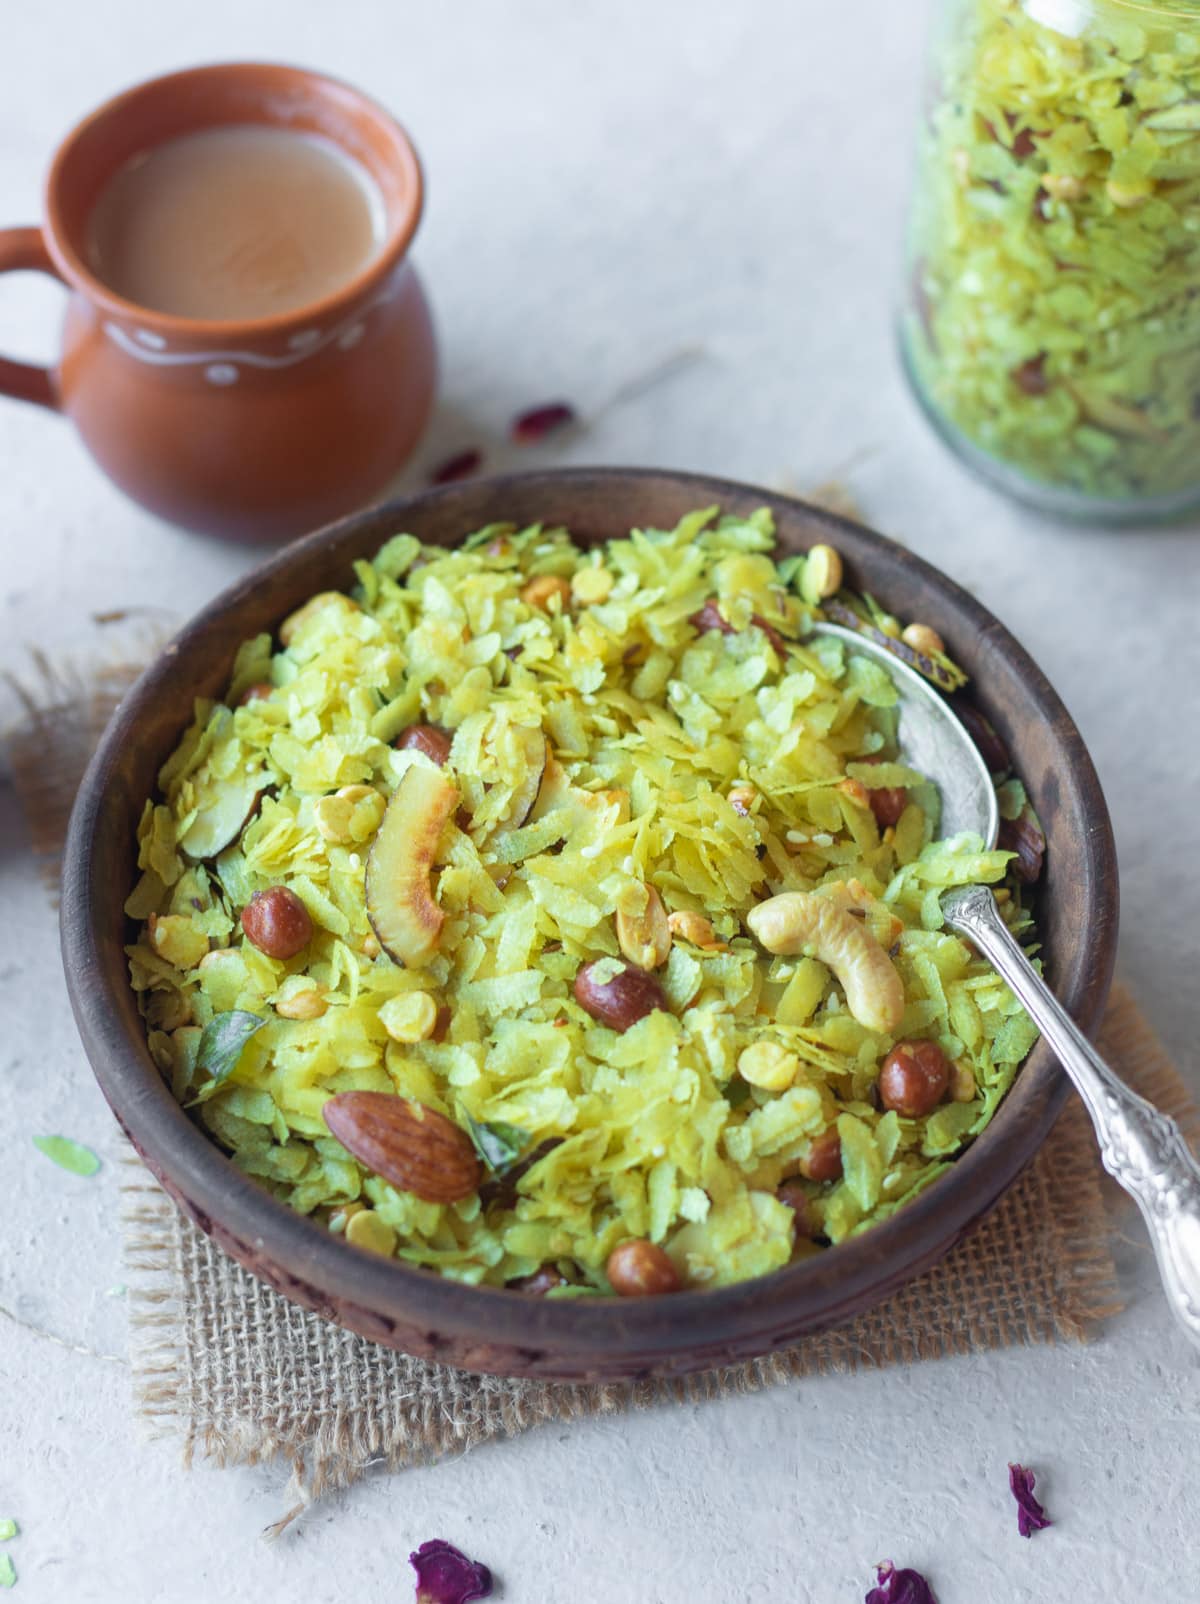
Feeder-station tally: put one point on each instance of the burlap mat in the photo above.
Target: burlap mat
(241, 1375)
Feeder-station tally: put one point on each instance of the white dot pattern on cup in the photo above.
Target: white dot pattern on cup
(221, 373)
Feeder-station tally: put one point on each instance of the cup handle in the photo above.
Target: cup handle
(24, 250)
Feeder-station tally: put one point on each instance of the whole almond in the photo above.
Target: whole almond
(414, 1147)
(622, 998)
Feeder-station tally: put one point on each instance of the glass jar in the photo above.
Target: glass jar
(1052, 322)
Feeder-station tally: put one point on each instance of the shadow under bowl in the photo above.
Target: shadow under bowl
(495, 1330)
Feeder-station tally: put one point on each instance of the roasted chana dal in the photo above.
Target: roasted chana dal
(564, 919)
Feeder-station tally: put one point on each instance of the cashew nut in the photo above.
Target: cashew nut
(855, 899)
(802, 921)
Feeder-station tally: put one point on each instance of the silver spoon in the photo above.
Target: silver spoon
(1142, 1148)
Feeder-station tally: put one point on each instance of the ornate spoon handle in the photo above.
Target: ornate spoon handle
(1141, 1147)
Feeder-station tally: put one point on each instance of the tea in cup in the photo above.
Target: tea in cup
(247, 349)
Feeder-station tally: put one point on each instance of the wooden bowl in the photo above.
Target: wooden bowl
(509, 1333)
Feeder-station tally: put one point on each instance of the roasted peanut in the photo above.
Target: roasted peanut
(1025, 837)
(1062, 186)
(913, 1078)
(542, 590)
(822, 574)
(309, 1004)
(1128, 196)
(256, 693)
(793, 1194)
(694, 927)
(923, 639)
(539, 1283)
(802, 921)
(640, 1269)
(769, 1065)
(296, 621)
(368, 1230)
(411, 1016)
(856, 791)
(991, 748)
(742, 799)
(962, 1083)
(823, 1162)
(343, 1214)
(617, 994)
(427, 738)
(174, 937)
(887, 802)
(645, 936)
(331, 816)
(277, 922)
(591, 586)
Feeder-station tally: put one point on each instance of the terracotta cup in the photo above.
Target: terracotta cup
(254, 429)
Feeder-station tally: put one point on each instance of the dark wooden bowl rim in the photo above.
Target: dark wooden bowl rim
(489, 1329)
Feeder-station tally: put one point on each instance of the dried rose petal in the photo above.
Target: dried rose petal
(1031, 1517)
(899, 1587)
(446, 1576)
(530, 427)
(460, 466)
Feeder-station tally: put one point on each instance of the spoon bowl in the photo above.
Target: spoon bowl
(933, 741)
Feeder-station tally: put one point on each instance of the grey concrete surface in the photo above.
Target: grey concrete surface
(609, 186)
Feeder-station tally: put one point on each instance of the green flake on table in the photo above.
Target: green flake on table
(8, 1572)
(68, 1155)
(8, 1528)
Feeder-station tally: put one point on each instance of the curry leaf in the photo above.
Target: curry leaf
(498, 1145)
(222, 1041)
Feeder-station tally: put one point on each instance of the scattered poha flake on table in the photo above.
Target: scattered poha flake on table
(1031, 1517)
(8, 1572)
(8, 1529)
(67, 1154)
